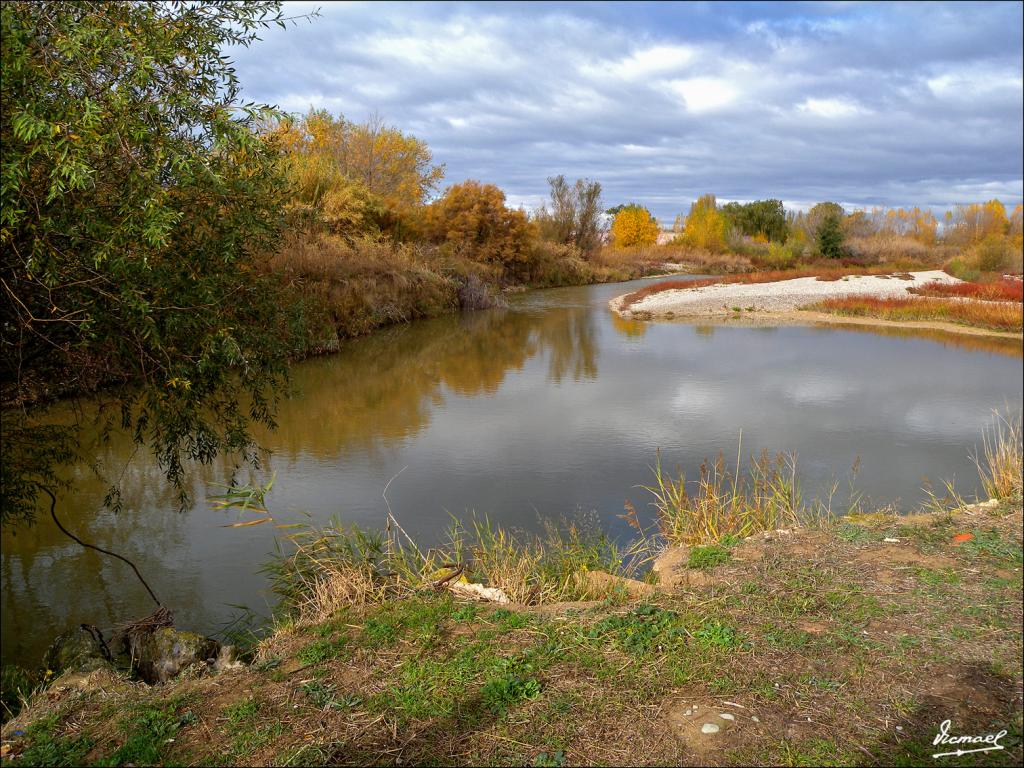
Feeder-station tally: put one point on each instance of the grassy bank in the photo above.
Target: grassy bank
(847, 641)
(844, 645)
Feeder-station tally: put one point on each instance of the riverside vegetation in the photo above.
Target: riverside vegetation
(803, 639)
(169, 248)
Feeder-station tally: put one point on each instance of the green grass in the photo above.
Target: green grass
(149, 732)
(509, 620)
(500, 694)
(473, 683)
(247, 730)
(323, 695)
(549, 760)
(708, 556)
(937, 577)
(416, 618)
(714, 634)
(786, 637)
(856, 534)
(322, 650)
(49, 748)
(991, 544)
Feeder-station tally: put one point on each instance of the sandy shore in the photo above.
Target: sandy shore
(781, 296)
(778, 303)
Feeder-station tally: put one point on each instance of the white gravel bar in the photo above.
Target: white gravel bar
(781, 296)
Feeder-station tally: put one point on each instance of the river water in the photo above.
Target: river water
(549, 408)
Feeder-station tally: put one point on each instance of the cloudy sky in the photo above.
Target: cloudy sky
(866, 104)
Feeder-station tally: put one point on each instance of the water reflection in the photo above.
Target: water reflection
(629, 327)
(384, 389)
(531, 412)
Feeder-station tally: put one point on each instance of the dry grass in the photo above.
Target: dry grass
(651, 255)
(329, 568)
(887, 248)
(996, 316)
(724, 504)
(1003, 289)
(1001, 465)
(827, 273)
(696, 260)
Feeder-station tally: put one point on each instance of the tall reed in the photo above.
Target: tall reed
(329, 567)
(1000, 463)
(728, 503)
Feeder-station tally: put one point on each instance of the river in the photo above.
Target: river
(552, 407)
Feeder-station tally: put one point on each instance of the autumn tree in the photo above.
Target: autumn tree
(137, 197)
(472, 220)
(859, 223)
(356, 176)
(634, 225)
(1016, 230)
(970, 224)
(573, 215)
(916, 223)
(706, 225)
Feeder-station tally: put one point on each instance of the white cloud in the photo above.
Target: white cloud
(831, 108)
(644, 63)
(664, 102)
(705, 94)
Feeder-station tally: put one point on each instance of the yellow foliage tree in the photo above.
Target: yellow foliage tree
(634, 225)
(969, 224)
(351, 173)
(916, 223)
(705, 226)
(1017, 227)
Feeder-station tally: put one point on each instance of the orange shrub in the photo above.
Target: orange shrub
(472, 221)
(1004, 289)
(997, 316)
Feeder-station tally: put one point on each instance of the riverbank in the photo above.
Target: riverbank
(847, 643)
(336, 289)
(858, 299)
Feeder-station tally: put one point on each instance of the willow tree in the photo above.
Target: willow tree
(137, 195)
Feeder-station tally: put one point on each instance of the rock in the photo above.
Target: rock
(690, 725)
(162, 654)
(227, 659)
(80, 650)
(600, 583)
(479, 592)
(673, 570)
(670, 564)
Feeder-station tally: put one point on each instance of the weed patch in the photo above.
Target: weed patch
(708, 556)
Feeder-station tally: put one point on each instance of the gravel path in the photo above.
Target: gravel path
(781, 296)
